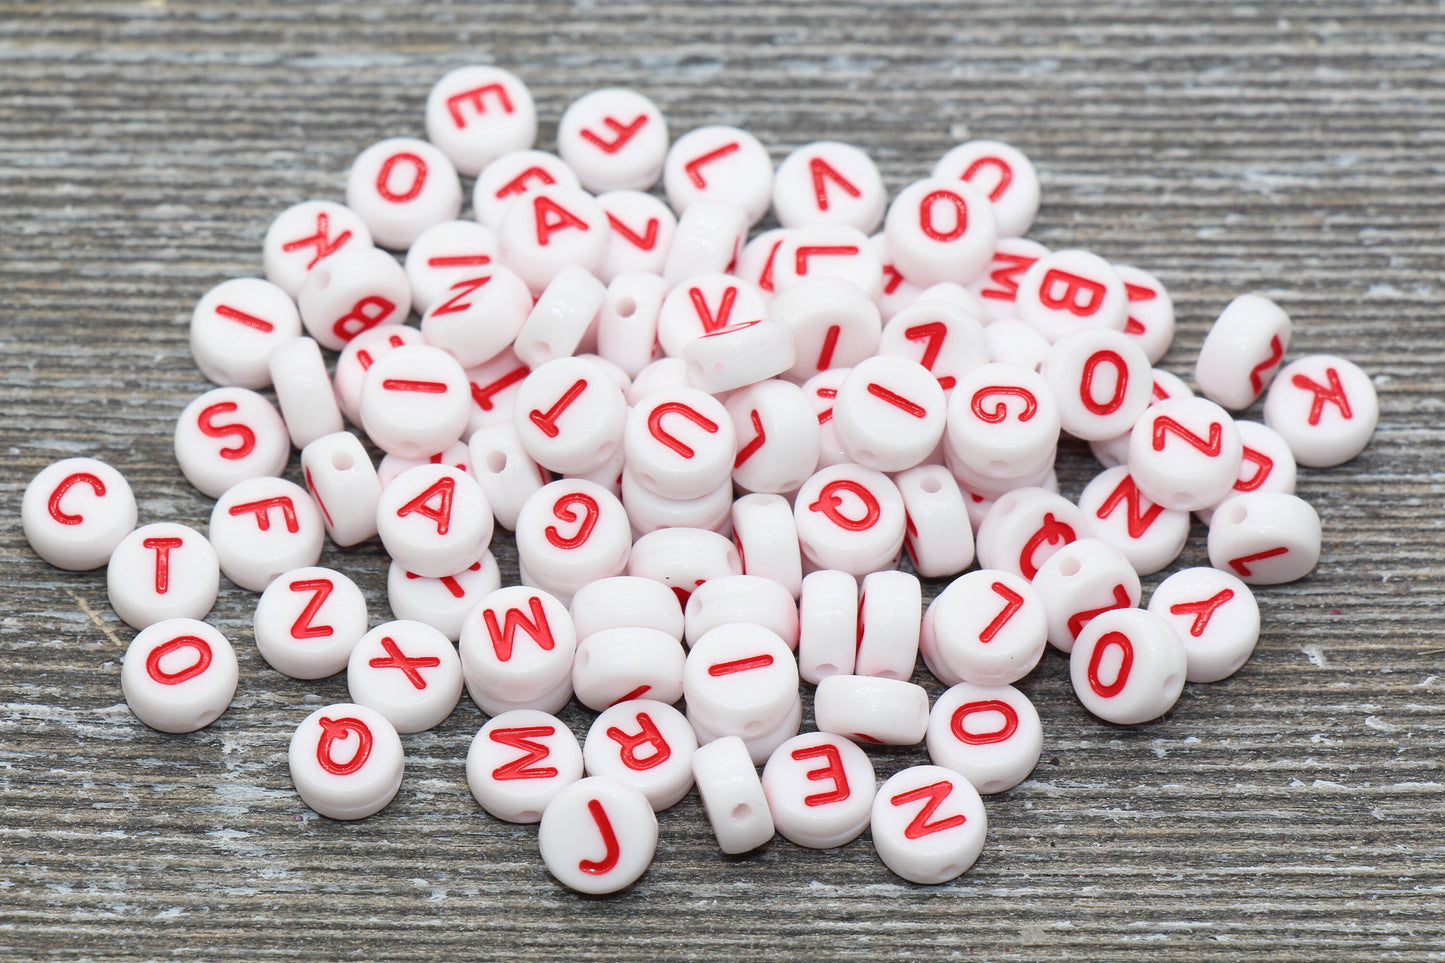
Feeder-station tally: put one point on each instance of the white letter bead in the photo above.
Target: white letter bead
(827, 625)
(755, 261)
(459, 456)
(649, 512)
(494, 386)
(1267, 465)
(359, 355)
(303, 391)
(708, 238)
(938, 535)
(762, 745)
(228, 435)
(1265, 538)
(614, 139)
(986, 628)
(998, 285)
(890, 612)
(476, 113)
(442, 603)
(1112, 452)
(263, 527)
(551, 228)
(1101, 380)
(572, 532)
(945, 338)
(1024, 528)
(820, 790)
(400, 187)
(1150, 324)
(1003, 174)
(407, 671)
(1149, 535)
(627, 323)
(680, 443)
(742, 598)
(307, 622)
(415, 401)
(179, 675)
(515, 175)
(1325, 408)
(767, 540)
(340, 476)
(619, 664)
(1185, 453)
(988, 733)
(1068, 290)
(1013, 342)
(354, 291)
(346, 761)
(940, 230)
(821, 390)
(626, 601)
(234, 327)
(1080, 581)
(1216, 617)
(778, 436)
(561, 316)
(828, 251)
(1242, 351)
(570, 416)
(303, 234)
(877, 711)
(928, 824)
(889, 413)
(516, 648)
(834, 325)
(1003, 423)
(519, 761)
(1128, 666)
(642, 231)
(505, 471)
(645, 744)
(739, 355)
(598, 835)
(850, 518)
(703, 304)
(445, 256)
(434, 520)
(732, 795)
(719, 163)
(827, 182)
(740, 680)
(683, 558)
(479, 316)
(162, 571)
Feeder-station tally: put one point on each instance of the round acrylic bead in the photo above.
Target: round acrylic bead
(358, 356)
(400, 187)
(507, 474)
(1112, 452)
(1013, 342)
(1079, 582)
(740, 679)
(778, 439)
(1267, 465)
(820, 790)
(940, 230)
(572, 532)
(303, 235)
(1003, 423)
(407, 671)
(898, 292)
(516, 648)
(228, 435)
(234, 327)
(834, 325)
(434, 520)
(1128, 666)
(849, 518)
(308, 620)
(928, 824)
(755, 261)
(415, 401)
(820, 391)
(759, 747)
(346, 761)
(569, 416)
(162, 571)
(598, 836)
(986, 628)
(828, 251)
(626, 601)
(494, 387)
(703, 304)
(732, 795)
(263, 527)
(997, 286)
(561, 316)
(742, 598)
(340, 476)
(642, 230)
(827, 182)
(551, 228)
(740, 355)
(1324, 407)
(649, 512)
(679, 443)
(1150, 324)
(303, 391)
(627, 323)
(447, 257)
(990, 734)
(707, 240)
(1185, 453)
(457, 455)
(719, 163)
(515, 175)
(1242, 351)
(683, 558)
(890, 610)
(945, 338)
(1101, 380)
(442, 603)
(179, 675)
(617, 664)
(827, 625)
(876, 711)
(1068, 290)
(1265, 538)
(1025, 527)
(1003, 174)
(1150, 536)
(889, 413)
(645, 744)
(1216, 617)
(354, 291)
(938, 536)
(479, 317)
(767, 540)
(519, 761)
(476, 113)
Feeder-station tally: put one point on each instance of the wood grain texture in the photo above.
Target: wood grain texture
(1291, 811)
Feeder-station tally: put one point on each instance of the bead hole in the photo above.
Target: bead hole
(931, 485)
(1237, 514)
(1070, 566)
(627, 306)
(740, 812)
(496, 462)
(341, 461)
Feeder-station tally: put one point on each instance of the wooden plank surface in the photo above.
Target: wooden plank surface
(1292, 811)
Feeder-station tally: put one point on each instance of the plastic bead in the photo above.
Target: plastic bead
(475, 114)
(898, 292)
(1266, 466)
(627, 601)
(569, 533)
(458, 455)
(850, 518)
(828, 251)
(708, 239)
(683, 558)
(598, 836)
(740, 680)
(986, 628)
(1325, 408)
(1079, 582)
(447, 257)
(162, 571)
(303, 235)
(407, 671)
(346, 761)
(442, 603)
(740, 355)
(834, 325)
(1112, 452)
(1242, 352)
(508, 476)
(889, 414)
(742, 598)
(821, 391)
(1150, 323)
(944, 338)
(515, 175)
(434, 520)
(340, 476)
(827, 625)
(561, 317)
(778, 437)
(890, 610)
(479, 317)
(179, 675)
(1265, 538)
(705, 303)
(732, 795)
(828, 182)
(719, 163)
(1101, 380)
(354, 291)
(998, 284)
(989, 734)
(933, 842)
(569, 416)
(1003, 426)
(642, 232)
(494, 387)
(234, 327)
(1013, 342)
(649, 512)
(400, 187)
(876, 711)
(820, 790)
(263, 527)
(645, 744)
(228, 435)
(1115, 511)
(767, 540)
(551, 228)
(1128, 666)
(940, 230)
(759, 747)
(1185, 453)
(622, 663)
(1216, 617)
(1024, 528)
(1003, 174)
(516, 648)
(1065, 291)
(614, 139)
(627, 323)
(938, 536)
(679, 443)
(519, 761)
(359, 355)
(303, 391)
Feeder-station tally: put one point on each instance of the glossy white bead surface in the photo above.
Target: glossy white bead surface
(707, 240)
(434, 520)
(778, 436)
(762, 745)
(1002, 423)
(767, 539)
(479, 317)
(346, 761)
(679, 443)
(645, 744)
(820, 790)
(1265, 538)
(457, 455)
(303, 391)
(1217, 619)
(1325, 408)
(358, 356)
(821, 391)
(598, 836)
(627, 322)
(943, 337)
(940, 230)
(827, 625)
(986, 628)
(938, 536)
(703, 304)
(400, 187)
(1242, 352)
(732, 795)
(353, 291)
(740, 355)
(1003, 174)
(1101, 380)
(505, 471)
(494, 386)
(1267, 465)
(477, 113)
(443, 603)
(991, 734)
(889, 413)
(1014, 342)
(719, 163)
(1115, 511)
(447, 257)
(614, 139)
(407, 671)
(1128, 666)
(617, 664)
(834, 325)
(828, 251)
(871, 710)
(234, 327)
(569, 416)
(1185, 453)
(649, 512)
(263, 527)
(849, 518)
(415, 401)
(339, 474)
(1112, 452)
(561, 316)
(928, 824)
(228, 435)
(827, 182)
(305, 234)
(569, 533)
(1065, 291)
(519, 761)
(890, 612)
(1024, 528)
(898, 292)
(514, 175)
(1150, 323)
(1079, 582)
(997, 286)
(626, 601)
(162, 571)
(756, 259)
(551, 228)
(741, 598)
(179, 675)
(740, 680)
(683, 558)
(642, 230)
(516, 647)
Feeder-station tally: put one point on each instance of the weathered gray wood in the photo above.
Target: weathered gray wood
(1292, 811)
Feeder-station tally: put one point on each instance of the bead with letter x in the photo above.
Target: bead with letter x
(408, 666)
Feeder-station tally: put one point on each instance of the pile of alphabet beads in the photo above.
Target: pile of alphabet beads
(713, 448)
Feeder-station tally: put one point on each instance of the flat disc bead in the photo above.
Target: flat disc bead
(625, 601)
(719, 162)
(827, 625)
(642, 231)
(228, 435)
(997, 286)
(179, 675)
(1324, 407)
(1217, 619)
(732, 795)
(683, 558)
(989, 734)
(415, 401)
(828, 182)
(820, 790)
(928, 824)
(1079, 582)
(742, 598)
(1184, 453)
(598, 835)
(1265, 538)
(1101, 380)
(476, 113)
(1149, 535)
(407, 671)
(874, 711)
(435, 520)
(307, 622)
(1065, 291)
(351, 292)
(940, 230)
(572, 532)
(679, 443)
(400, 187)
(1128, 666)
(1004, 174)
(740, 679)
(517, 647)
(889, 413)
(442, 603)
(234, 327)
(569, 416)
(519, 761)
(987, 627)
(346, 761)
(627, 663)
(645, 744)
(850, 518)
(162, 571)
(1242, 351)
(444, 255)
(263, 527)
(304, 235)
